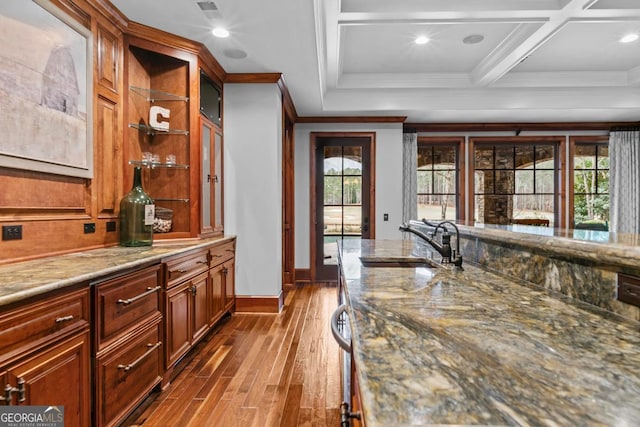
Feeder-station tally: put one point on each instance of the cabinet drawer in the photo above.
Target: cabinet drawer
(127, 374)
(124, 302)
(184, 267)
(222, 253)
(41, 322)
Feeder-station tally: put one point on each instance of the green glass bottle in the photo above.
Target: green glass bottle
(137, 213)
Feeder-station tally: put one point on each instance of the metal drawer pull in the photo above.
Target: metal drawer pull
(630, 292)
(9, 390)
(344, 344)
(180, 270)
(136, 298)
(64, 319)
(201, 262)
(152, 348)
(218, 255)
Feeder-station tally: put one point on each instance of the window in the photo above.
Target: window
(515, 182)
(437, 180)
(591, 185)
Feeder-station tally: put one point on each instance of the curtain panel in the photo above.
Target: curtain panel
(409, 177)
(624, 181)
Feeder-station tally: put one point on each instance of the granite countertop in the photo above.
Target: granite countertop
(435, 346)
(595, 247)
(22, 280)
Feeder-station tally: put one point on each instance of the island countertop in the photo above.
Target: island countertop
(434, 346)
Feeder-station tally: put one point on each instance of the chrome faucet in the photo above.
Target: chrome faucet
(449, 256)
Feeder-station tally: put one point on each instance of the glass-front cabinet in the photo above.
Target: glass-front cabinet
(211, 155)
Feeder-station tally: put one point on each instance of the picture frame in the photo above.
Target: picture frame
(46, 90)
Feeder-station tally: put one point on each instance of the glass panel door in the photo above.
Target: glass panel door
(342, 182)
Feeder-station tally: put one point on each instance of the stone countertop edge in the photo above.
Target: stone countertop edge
(619, 251)
(473, 348)
(26, 279)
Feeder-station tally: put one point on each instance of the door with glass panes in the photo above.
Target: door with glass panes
(343, 193)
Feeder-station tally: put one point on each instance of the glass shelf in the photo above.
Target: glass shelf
(150, 130)
(154, 165)
(153, 95)
(160, 199)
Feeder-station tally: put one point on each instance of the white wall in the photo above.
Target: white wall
(388, 179)
(253, 185)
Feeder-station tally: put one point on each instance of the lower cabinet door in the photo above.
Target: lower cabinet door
(57, 376)
(230, 284)
(217, 293)
(200, 294)
(126, 374)
(178, 322)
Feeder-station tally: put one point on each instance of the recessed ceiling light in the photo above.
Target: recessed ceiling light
(629, 38)
(220, 32)
(422, 40)
(473, 39)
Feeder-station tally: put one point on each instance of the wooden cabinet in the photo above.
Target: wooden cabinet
(229, 284)
(44, 353)
(186, 316)
(127, 342)
(187, 295)
(163, 79)
(212, 177)
(196, 296)
(223, 278)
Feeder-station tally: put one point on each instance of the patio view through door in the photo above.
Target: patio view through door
(342, 207)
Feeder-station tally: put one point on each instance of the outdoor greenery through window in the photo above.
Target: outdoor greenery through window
(342, 196)
(591, 186)
(437, 181)
(515, 182)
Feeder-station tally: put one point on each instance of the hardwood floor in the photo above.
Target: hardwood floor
(259, 370)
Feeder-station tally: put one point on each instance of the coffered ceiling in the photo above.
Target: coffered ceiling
(523, 60)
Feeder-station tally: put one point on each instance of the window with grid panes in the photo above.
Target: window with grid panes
(437, 181)
(515, 182)
(591, 185)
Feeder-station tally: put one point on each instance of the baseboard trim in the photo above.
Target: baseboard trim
(303, 275)
(259, 304)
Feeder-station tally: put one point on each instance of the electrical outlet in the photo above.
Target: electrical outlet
(11, 232)
(111, 226)
(90, 227)
(385, 217)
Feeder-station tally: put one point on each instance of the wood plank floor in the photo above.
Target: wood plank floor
(259, 370)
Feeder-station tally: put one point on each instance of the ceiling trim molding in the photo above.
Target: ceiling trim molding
(112, 13)
(253, 77)
(351, 119)
(513, 127)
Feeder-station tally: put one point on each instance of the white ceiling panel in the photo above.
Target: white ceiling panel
(448, 5)
(616, 4)
(391, 48)
(581, 46)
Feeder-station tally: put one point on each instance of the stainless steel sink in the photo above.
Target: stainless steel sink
(400, 261)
